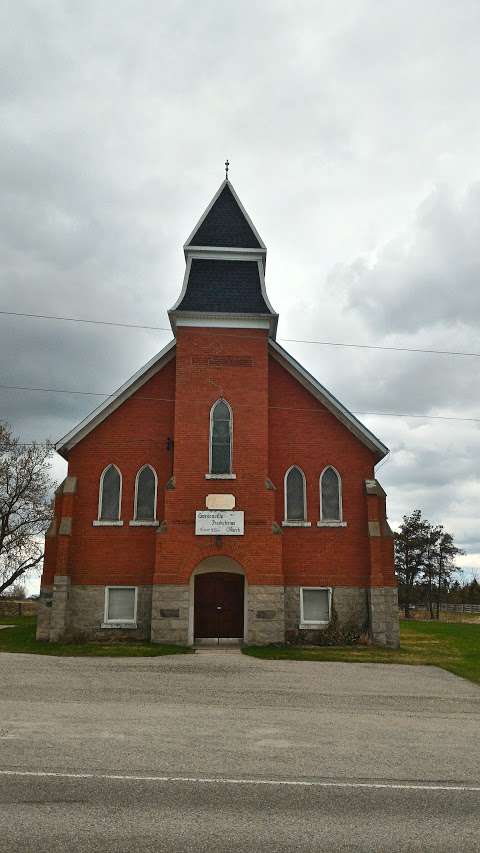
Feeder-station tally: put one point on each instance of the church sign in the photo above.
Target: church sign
(219, 523)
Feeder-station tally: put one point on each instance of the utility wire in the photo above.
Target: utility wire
(282, 408)
(81, 320)
(289, 340)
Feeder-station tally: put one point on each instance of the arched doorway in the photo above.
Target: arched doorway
(218, 597)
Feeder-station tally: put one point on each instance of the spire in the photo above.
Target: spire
(224, 280)
(225, 223)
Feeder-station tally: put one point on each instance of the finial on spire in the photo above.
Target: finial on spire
(227, 163)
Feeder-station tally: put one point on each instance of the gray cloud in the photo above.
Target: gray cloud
(353, 135)
(426, 276)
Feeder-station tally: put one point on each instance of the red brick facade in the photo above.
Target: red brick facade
(277, 423)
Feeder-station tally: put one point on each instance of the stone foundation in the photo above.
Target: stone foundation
(384, 624)
(170, 604)
(374, 610)
(165, 614)
(350, 605)
(76, 613)
(266, 615)
(87, 612)
(59, 612)
(44, 613)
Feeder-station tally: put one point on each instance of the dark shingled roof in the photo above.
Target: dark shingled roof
(225, 225)
(224, 286)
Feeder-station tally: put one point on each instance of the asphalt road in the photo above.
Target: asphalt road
(227, 753)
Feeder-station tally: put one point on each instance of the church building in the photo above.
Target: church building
(222, 494)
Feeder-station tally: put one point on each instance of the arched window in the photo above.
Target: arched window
(110, 494)
(146, 494)
(330, 495)
(295, 495)
(221, 438)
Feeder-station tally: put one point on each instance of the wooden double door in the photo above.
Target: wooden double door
(219, 599)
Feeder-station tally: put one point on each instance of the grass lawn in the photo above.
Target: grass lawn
(21, 638)
(452, 646)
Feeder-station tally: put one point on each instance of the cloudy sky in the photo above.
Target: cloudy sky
(353, 132)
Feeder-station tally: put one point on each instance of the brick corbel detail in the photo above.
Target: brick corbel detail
(66, 502)
(380, 537)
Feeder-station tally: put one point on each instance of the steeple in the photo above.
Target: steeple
(224, 282)
(225, 223)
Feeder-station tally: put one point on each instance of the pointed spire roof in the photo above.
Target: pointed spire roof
(225, 223)
(224, 281)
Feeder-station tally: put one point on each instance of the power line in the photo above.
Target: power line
(81, 320)
(282, 408)
(430, 417)
(105, 394)
(81, 393)
(376, 346)
(288, 340)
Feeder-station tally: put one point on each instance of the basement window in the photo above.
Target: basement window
(120, 606)
(315, 604)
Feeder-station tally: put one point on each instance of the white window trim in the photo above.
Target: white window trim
(332, 522)
(151, 522)
(105, 522)
(211, 475)
(305, 623)
(288, 522)
(119, 623)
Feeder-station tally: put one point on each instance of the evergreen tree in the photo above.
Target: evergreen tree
(472, 591)
(430, 568)
(411, 545)
(446, 553)
(424, 562)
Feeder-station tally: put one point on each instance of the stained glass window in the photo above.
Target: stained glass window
(330, 495)
(146, 493)
(295, 509)
(221, 439)
(110, 485)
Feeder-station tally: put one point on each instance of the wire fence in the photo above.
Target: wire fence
(448, 608)
(10, 607)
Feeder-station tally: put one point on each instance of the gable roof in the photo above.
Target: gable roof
(328, 400)
(168, 352)
(115, 400)
(225, 223)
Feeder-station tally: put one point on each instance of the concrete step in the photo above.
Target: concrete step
(218, 650)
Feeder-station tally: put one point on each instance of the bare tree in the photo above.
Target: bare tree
(25, 505)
